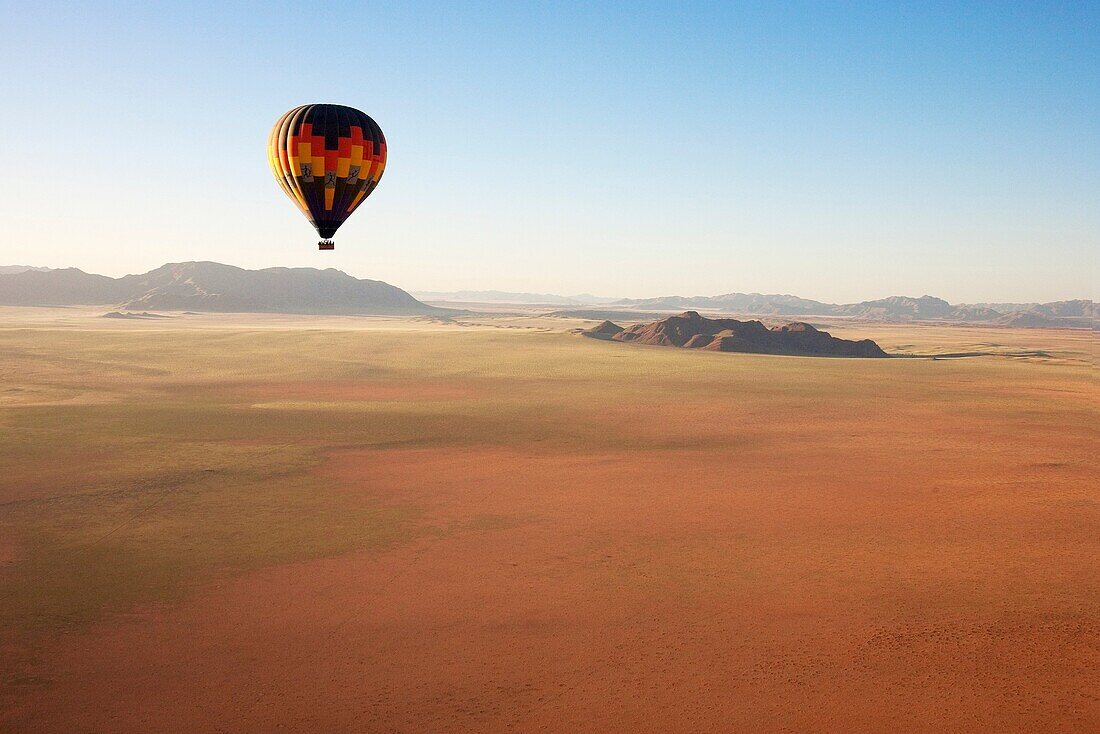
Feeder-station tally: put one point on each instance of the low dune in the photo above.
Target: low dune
(133, 315)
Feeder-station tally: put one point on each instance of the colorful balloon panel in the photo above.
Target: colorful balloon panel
(327, 158)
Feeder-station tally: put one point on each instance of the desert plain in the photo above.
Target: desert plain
(273, 523)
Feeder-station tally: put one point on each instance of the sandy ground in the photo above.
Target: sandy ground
(784, 561)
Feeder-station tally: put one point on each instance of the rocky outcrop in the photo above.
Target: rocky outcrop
(690, 330)
(606, 331)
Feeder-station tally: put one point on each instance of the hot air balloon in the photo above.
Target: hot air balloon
(327, 158)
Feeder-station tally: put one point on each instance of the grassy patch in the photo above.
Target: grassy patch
(107, 549)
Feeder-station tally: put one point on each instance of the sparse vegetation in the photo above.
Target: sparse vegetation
(144, 460)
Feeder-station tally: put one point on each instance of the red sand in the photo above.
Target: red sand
(673, 591)
(354, 390)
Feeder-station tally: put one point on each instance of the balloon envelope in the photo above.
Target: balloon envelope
(328, 159)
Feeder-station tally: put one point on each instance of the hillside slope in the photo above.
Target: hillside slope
(209, 286)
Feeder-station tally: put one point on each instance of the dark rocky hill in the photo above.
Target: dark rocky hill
(606, 330)
(690, 330)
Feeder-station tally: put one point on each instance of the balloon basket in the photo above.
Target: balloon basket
(326, 245)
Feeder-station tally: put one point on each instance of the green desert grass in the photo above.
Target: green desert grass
(114, 547)
(138, 462)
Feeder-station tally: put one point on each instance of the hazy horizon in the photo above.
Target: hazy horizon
(836, 153)
(571, 294)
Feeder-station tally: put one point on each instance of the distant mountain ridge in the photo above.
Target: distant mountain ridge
(1080, 308)
(13, 269)
(582, 299)
(1078, 313)
(209, 286)
(773, 304)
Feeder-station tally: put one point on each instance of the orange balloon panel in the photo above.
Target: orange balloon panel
(327, 158)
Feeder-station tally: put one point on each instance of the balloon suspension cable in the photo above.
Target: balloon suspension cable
(326, 245)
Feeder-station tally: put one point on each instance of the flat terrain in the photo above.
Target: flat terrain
(227, 523)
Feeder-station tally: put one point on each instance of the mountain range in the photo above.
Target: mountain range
(12, 269)
(209, 286)
(582, 299)
(1078, 313)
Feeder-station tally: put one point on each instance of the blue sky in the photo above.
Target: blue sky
(838, 151)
